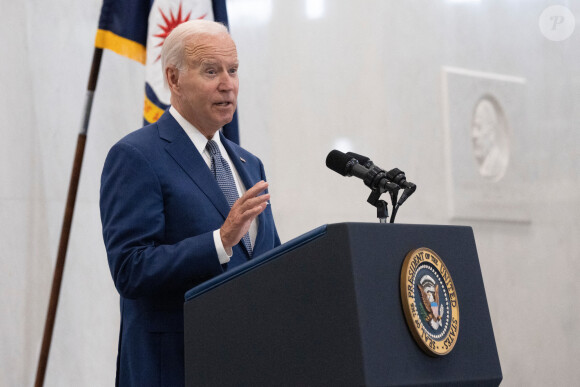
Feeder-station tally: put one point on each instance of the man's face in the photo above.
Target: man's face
(483, 130)
(207, 88)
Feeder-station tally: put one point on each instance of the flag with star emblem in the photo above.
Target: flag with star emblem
(137, 29)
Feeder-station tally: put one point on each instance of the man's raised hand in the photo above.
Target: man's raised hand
(242, 213)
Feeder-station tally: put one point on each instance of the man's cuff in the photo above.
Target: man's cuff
(219, 248)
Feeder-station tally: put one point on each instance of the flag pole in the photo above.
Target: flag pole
(67, 221)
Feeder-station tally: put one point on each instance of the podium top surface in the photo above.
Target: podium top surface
(255, 262)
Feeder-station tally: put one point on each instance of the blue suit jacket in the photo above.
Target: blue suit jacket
(159, 207)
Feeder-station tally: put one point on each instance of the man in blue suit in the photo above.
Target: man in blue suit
(167, 224)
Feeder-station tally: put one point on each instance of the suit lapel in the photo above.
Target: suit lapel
(186, 155)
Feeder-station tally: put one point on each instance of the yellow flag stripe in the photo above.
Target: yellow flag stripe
(122, 46)
(151, 112)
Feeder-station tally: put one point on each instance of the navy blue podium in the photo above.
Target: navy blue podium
(325, 309)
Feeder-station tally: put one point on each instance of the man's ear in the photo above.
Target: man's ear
(172, 76)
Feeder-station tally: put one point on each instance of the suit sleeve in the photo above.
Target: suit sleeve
(132, 215)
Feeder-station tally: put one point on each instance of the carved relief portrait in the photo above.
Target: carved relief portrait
(489, 138)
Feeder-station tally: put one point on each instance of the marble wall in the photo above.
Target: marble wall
(398, 81)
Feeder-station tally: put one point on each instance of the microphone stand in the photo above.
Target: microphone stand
(382, 211)
(381, 205)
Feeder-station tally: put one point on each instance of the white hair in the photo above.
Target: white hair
(173, 50)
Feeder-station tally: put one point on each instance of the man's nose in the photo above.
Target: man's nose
(226, 82)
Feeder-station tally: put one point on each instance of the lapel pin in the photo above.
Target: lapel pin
(243, 161)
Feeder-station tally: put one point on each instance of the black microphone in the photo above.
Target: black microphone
(341, 163)
(395, 175)
(398, 177)
(346, 165)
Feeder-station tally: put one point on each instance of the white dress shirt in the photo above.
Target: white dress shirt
(200, 142)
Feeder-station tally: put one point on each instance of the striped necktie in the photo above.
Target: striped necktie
(225, 179)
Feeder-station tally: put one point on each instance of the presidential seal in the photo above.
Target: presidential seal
(429, 302)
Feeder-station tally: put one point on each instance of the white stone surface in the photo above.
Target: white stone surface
(368, 75)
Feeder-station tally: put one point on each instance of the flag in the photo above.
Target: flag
(137, 29)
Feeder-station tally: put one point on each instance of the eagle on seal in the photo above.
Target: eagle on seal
(430, 298)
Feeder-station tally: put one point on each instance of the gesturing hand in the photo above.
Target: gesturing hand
(242, 213)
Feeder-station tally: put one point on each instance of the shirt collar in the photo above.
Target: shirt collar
(198, 139)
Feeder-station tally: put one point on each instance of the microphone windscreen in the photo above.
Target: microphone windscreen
(338, 162)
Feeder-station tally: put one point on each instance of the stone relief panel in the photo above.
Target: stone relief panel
(484, 117)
